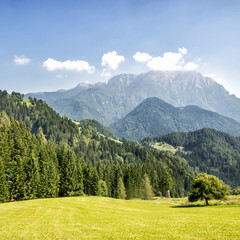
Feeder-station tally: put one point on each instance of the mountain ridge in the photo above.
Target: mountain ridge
(122, 93)
(154, 117)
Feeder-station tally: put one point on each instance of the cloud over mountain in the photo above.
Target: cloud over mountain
(169, 61)
(112, 60)
(142, 57)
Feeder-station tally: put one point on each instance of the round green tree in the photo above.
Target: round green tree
(207, 187)
(236, 191)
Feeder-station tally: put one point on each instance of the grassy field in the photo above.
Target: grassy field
(164, 147)
(105, 218)
(27, 102)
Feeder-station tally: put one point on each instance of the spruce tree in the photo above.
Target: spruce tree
(94, 183)
(121, 191)
(103, 188)
(3, 184)
(147, 191)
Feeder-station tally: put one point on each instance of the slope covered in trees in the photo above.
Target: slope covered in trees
(154, 117)
(207, 151)
(35, 114)
(56, 157)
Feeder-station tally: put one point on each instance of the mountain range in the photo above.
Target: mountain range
(109, 102)
(154, 117)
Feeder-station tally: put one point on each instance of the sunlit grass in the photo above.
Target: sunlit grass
(28, 103)
(105, 218)
(164, 147)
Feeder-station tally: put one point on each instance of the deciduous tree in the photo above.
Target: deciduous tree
(207, 187)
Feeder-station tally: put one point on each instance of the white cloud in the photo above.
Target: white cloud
(111, 60)
(182, 50)
(52, 65)
(142, 57)
(21, 60)
(190, 66)
(61, 76)
(106, 73)
(168, 62)
(215, 77)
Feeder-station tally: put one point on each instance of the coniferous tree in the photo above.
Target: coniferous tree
(121, 191)
(147, 192)
(3, 184)
(166, 182)
(103, 188)
(94, 183)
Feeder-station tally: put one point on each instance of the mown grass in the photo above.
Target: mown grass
(105, 218)
(164, 147)
(28, 103)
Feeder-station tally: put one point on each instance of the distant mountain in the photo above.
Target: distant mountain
(62, 94)
(77, 110)
(207, 150)
(154, 117)
(122, 93)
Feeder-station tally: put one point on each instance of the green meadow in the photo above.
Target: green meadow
(106, 218)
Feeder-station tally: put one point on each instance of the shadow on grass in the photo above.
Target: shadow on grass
(191, 206)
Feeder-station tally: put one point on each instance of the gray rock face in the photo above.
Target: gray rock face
(111, 101)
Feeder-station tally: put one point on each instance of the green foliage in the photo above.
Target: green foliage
(37, 114)
(103, 188)
(147, 192)
(121, 191)
(166, 182)
(99, 128)
(56, 157)
(236, 191)
(207, 150)
(207, 187)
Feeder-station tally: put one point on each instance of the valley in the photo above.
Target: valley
(119, 120)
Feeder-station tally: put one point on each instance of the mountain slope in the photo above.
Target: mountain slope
(62, 94)
(66, 154)
(154, 117)
(124, 92)
(77, 110)
(207, 151)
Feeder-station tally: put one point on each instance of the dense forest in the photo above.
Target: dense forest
(46, 155)
(208, 151)
(154, 117)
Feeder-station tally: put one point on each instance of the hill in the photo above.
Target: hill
(54, 156)
(206, 150)
(154, 117)
(122, 93)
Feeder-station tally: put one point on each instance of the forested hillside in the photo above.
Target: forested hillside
(207, 150)
(35, 114)
(154, 117)
(56, 157)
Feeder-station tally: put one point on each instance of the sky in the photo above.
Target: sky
(49, 45)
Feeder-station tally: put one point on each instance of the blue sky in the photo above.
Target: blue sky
(54, 44)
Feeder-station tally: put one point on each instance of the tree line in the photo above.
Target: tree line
(46, 155)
